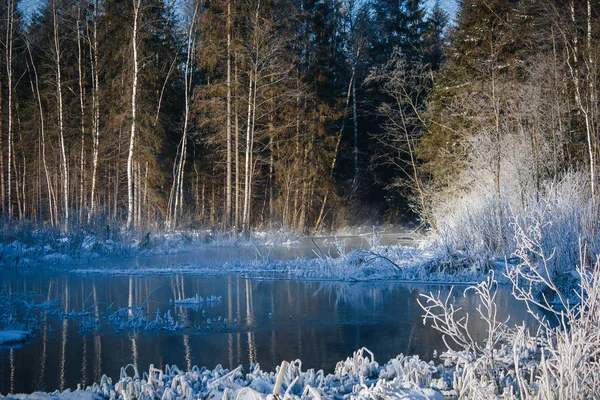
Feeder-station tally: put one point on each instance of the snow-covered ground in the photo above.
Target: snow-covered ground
(358, 377)
(334, 260)
(381, 263)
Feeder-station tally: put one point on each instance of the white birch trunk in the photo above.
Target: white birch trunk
(63, 154)
(175, 205)
(96, 110)
(589, 115)
(355, 120)
(228, 134)
(9, 74)
(134, 45)
(249, 167)
(82, 111)
(247, 160)
(237, 159)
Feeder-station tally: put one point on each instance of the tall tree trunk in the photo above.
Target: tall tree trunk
(237, 154)
(583, 108)
(52, 207)
(117, 176)
(175, 205)
(228, 123)
(9, 74)
(96, 109)
(247, 160)
(134, 45)
(61, 136)
(17, 193)
(82, 111)
(355, 121)
(590, 114)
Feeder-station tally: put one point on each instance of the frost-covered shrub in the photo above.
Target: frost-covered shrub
(568, 366)
(471, 214)
(560, 360)
(567, 220)
(476, 222)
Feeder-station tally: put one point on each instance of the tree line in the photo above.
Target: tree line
(307, 115)
(231, 114)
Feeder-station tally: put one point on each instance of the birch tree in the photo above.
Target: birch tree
(175, 206)
(134, 88)
(228, 212)
(82, 114)
(10, 22)
(93, 45)
(61, 133)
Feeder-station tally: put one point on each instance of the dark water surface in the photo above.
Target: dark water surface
(320, 323)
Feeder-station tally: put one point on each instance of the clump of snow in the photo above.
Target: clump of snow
(198, 300)
(13, 337)
(24, 312)
(66, 395)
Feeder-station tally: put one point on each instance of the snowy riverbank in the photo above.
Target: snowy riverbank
(358, 377)
(358, 258)
(380, 263)
(28, 247)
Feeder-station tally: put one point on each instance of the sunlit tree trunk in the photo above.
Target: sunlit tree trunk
(134, 87)
(355, 122)
(228, 123)
(176, 197)
(61, 137)
(96, 109)
(82, 111)
(237, 157)
(247, 161)
(9, 74)
(590, 114)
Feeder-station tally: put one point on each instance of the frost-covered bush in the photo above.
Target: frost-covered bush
(566, 219)
(569, 316)
(472, 214)
(478, 223)
(474, 223)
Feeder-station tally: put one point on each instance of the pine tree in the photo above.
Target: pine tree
(434, 36)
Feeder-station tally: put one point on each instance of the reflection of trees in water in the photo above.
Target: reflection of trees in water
(188, 351)
(12, 370)
(361, 294)
(386, 315)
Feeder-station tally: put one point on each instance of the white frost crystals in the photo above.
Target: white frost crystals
(359, 377)
(380, 263)
(198, 300)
